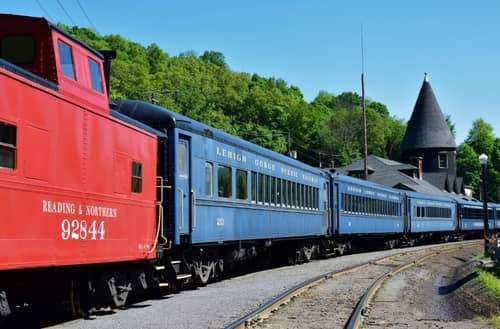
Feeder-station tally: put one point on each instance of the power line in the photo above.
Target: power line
(67, 14)
(87, 16)
(45, 11)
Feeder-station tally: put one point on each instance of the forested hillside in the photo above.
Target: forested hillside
(264, 110)
(271, 113)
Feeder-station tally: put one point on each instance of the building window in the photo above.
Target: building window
(241, 184)
(66, 60)
(7, 145)
(95, 76)
(443, 160)
(224, 178)
(209, 179)
(136, 177)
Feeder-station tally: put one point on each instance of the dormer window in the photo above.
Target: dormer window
(66, 60)
(443, 160)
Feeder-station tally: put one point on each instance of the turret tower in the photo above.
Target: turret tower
(428, 137)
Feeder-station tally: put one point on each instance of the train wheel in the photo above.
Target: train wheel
(204, 270)
(307, 253)
(4, 307)
(118, 290)
(391, 244)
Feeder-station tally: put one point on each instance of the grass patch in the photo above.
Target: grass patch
(490, 277)
(494, 321)
(483, 256)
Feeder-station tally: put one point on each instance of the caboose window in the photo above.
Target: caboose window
(66, 59)
(241, 184)
(95, 75)
(224, 177)
(18, 49)
(136, 177)
(7, 145)
(209, 179)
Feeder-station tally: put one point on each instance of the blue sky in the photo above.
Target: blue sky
(315, 45)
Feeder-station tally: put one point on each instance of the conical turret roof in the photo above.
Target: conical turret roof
(427, 127)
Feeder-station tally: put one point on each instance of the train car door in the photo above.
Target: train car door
(334, 206)
(407, 214)
(183, 188)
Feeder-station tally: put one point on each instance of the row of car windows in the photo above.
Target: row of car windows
(476, 213)
(434, 212)
(357, 204)
(260, 188)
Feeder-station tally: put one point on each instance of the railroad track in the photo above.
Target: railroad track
(337, 299)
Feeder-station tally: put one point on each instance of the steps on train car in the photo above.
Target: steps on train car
(173, 274)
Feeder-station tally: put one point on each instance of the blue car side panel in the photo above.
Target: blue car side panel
(375, 218)
(422, 222)
(216, 218)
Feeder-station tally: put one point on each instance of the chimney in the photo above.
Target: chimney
(417, 162)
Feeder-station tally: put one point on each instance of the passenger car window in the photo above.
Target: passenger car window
(209, 179)
(241, 184)
(182, 159)
(224, 178)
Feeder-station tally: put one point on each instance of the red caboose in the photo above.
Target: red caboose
(77, 186)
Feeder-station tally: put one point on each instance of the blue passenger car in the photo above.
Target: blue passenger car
(471, 215)
(362, 207)
(430, 213)
(221, 188)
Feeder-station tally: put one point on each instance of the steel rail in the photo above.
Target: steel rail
(272, 305)
(356, 318)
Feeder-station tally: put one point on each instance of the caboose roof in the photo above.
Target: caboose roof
(42, 25)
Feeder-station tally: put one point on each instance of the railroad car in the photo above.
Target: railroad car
(429, 215)
(367, 210)
(227, 198)
(77, 186)
(470, 215)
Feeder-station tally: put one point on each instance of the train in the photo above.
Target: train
(105, 198)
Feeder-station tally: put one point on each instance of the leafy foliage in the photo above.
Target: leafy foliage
(481, 139)
(266, 111)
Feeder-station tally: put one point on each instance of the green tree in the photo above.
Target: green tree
(214, 57)
(481, 137)
(451, 125)
(468, 164)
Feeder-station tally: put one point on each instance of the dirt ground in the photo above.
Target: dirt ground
(441, 293)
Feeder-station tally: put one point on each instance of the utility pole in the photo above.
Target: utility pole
(365, 131)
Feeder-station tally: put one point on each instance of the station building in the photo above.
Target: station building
(428, 153)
